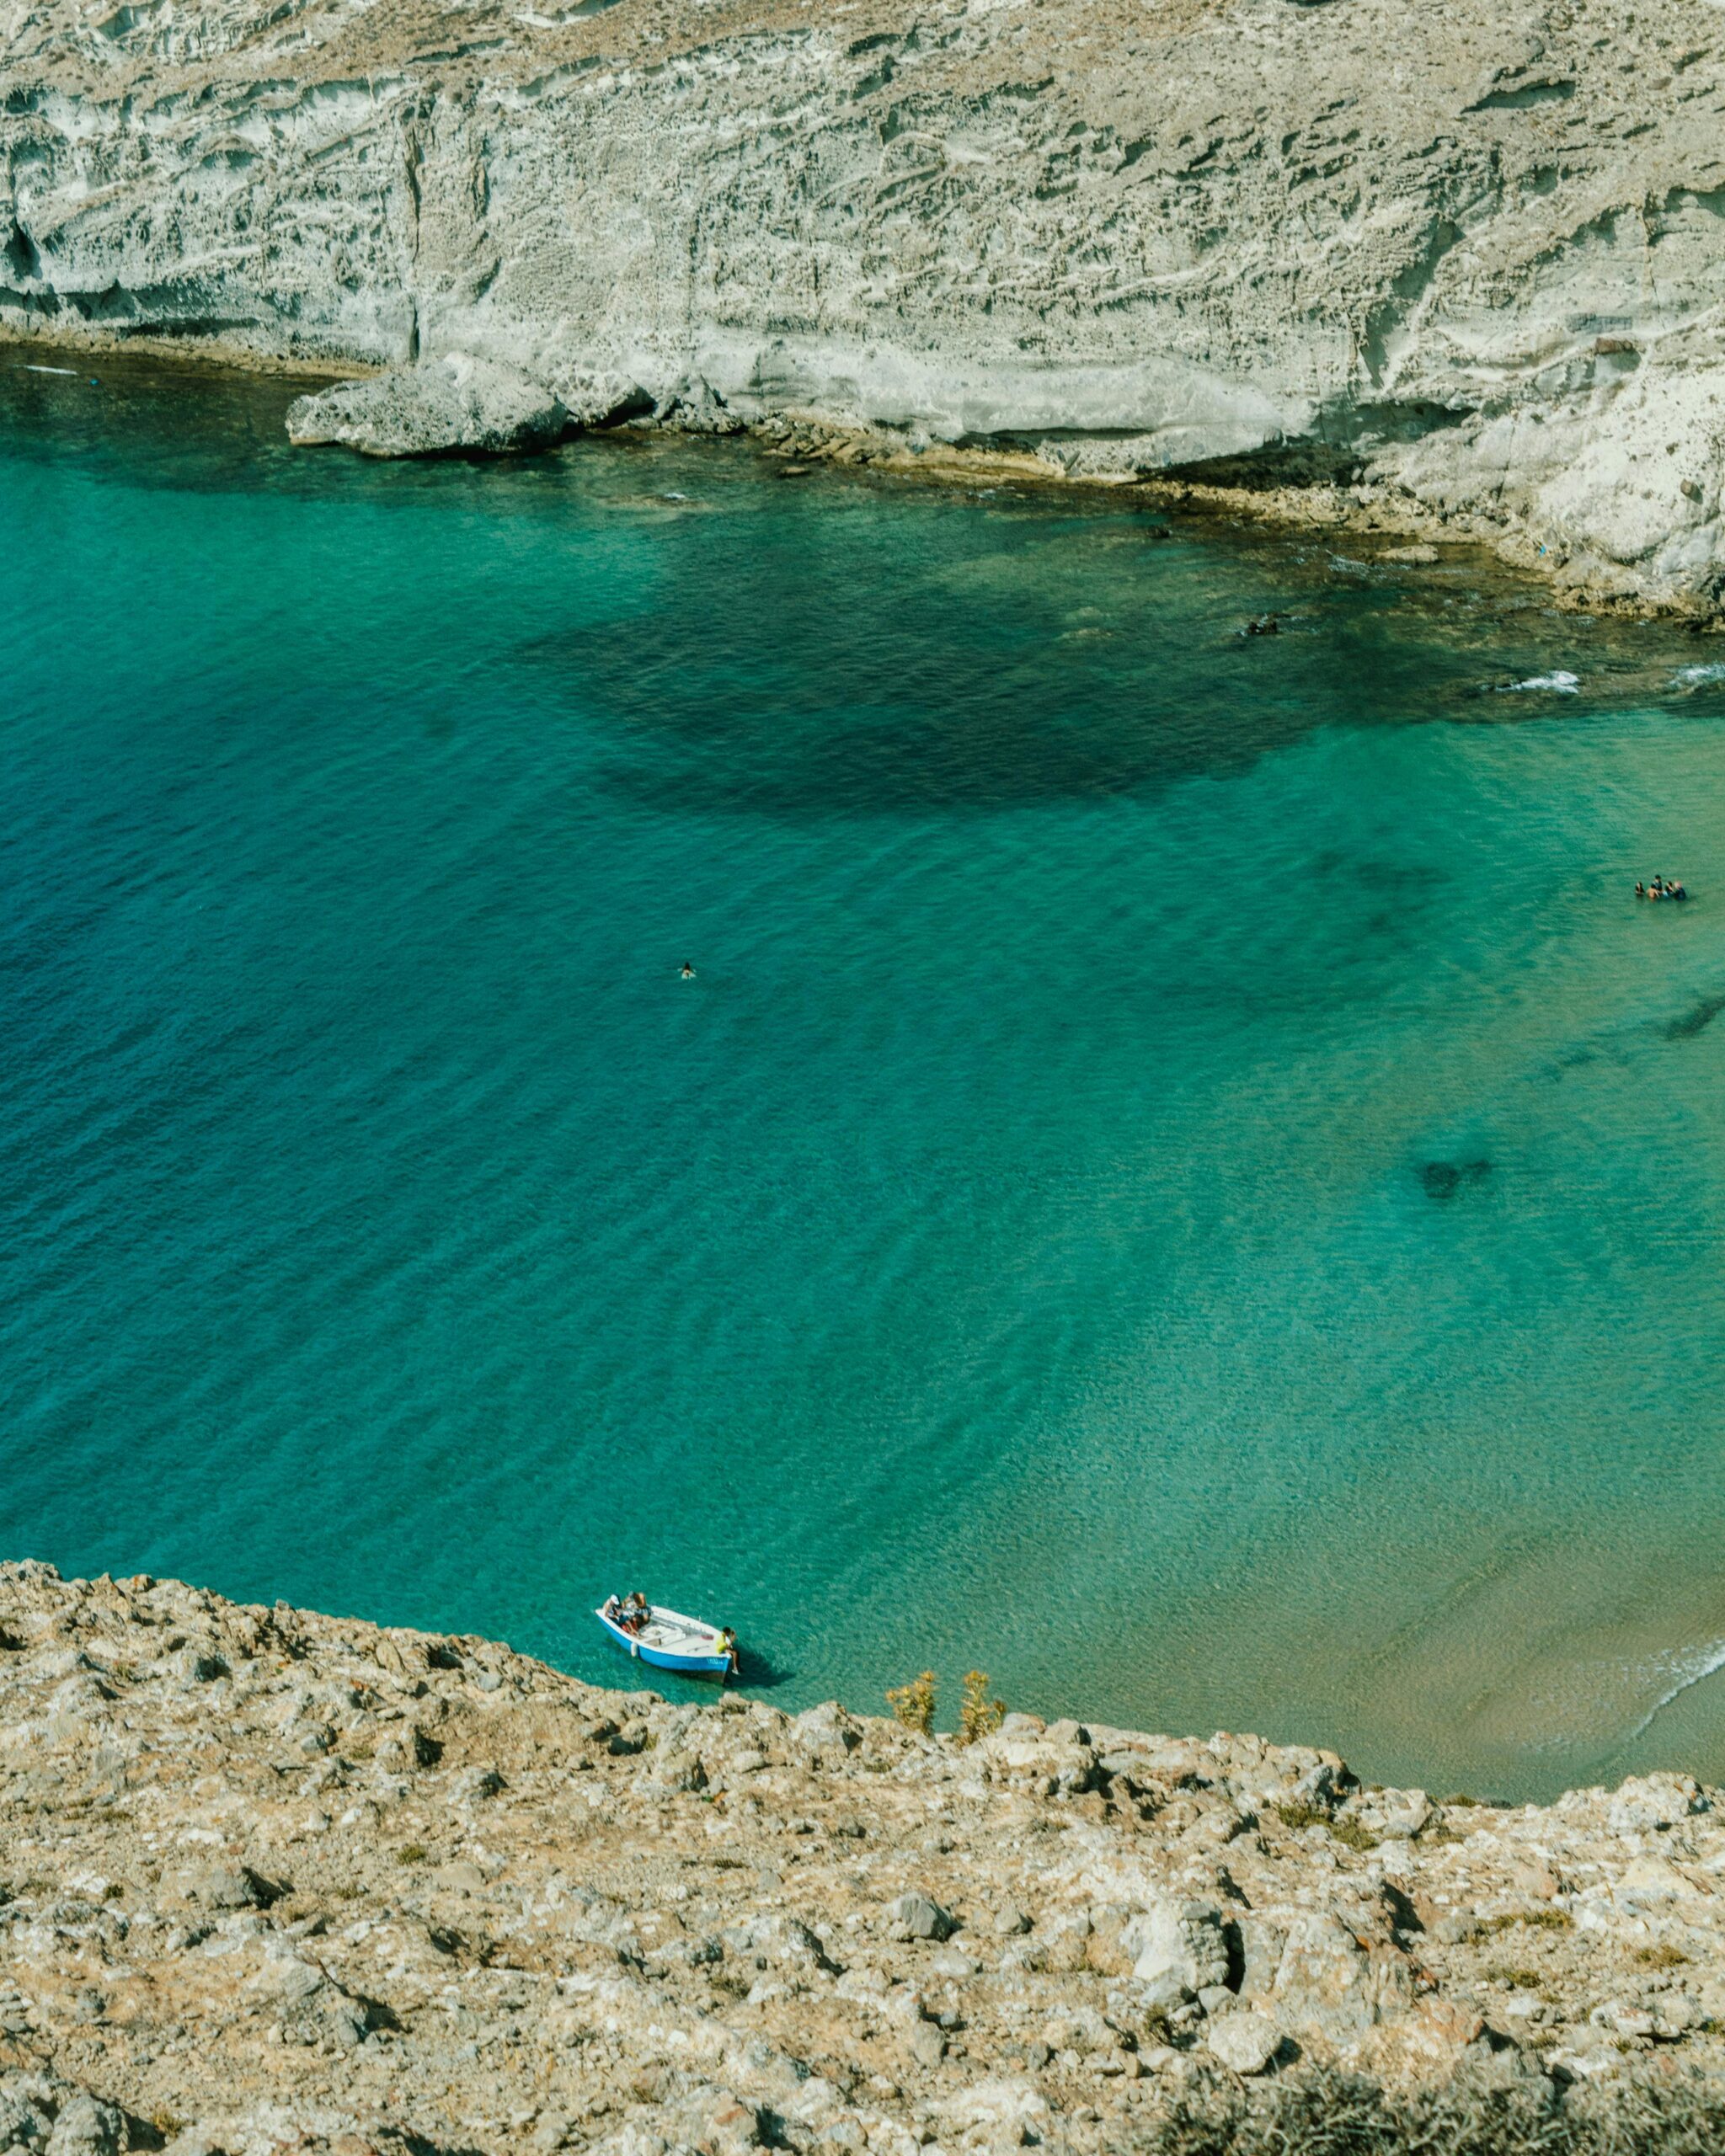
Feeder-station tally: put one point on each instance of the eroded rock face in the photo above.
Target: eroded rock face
(454, 405)
(302, 1884)
(1481, 285)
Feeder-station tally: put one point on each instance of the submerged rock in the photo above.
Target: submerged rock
(457, 405)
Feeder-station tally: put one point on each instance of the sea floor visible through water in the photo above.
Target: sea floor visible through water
(1184, 1177)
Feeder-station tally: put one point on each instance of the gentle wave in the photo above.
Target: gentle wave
(1688, 1670)
(1696, 677)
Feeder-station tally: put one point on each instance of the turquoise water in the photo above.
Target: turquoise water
(1184, 1177)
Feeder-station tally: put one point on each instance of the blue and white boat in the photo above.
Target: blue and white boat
(670, 1640)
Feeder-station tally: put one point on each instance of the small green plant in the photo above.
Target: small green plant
(411, 1853)
(1664, 1955)
(1462, 1801)
(1518, 1979)
(1300, 1813)
(913, 1704)
(978, 1715)
(1527, 1920)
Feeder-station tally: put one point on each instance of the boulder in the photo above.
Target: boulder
(1178, 1948)
(1651, 1802)
(694, 407)
(1646, 1882)
(87, 2127)
(1245, 2041)
(916, 1916)
(827, 1728)
(716, 2121)
(678, 1772)
(232, 1886)
(451, 406)
(1332, 1988)
(22, 2123)
(1009, 2102)
(594, 398)
(311, 2008)
(1263, 1943)
(928, 2047)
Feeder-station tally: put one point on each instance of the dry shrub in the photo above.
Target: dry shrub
(1300, 1812)
(1527, 1920)
(1326, 2113)
(913, 1704)
(978, 1715)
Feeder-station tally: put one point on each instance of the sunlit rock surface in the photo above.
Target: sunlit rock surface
(1468, 260)
(274, 1880)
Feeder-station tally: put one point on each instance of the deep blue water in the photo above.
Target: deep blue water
(1184, 1177)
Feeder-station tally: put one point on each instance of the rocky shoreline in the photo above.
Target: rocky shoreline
(275, 1881)
(1459, 269)
(376, 415)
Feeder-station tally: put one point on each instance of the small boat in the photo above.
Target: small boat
(670, 1640)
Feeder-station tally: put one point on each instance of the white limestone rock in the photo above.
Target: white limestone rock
(1245, 2041)
(1177, 1948)
(457, 404)
(1493, 270)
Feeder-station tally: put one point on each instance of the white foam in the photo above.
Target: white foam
(1559, 683)
(1685, 1668)
(1692, 677)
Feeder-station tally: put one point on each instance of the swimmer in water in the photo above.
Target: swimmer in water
(688, 970)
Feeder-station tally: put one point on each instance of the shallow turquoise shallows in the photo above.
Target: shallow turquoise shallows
(1184, 1177)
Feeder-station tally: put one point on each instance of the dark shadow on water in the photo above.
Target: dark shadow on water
(858, 646)
(757, 1673)
(1695, 1020)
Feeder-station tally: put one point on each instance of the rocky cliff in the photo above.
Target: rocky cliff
(1466, 262)
(276, 1881)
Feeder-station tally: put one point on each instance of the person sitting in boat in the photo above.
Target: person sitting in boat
(635, 1612)
(728, 1648)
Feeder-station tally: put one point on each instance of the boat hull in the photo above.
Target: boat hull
(682, 1665)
